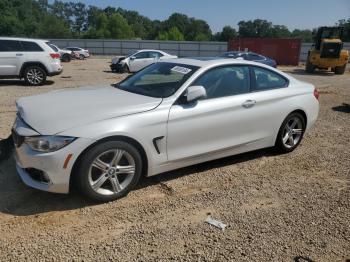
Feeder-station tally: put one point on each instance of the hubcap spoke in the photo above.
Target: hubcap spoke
(98, 163)
(115, 184)
(117, 156)
(285, 138)
(126, 169)
(100, 181)
(297, 131)
(291, 140)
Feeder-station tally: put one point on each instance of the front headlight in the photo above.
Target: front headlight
(47, 144)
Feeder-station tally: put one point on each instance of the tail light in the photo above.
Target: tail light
(55, 55)
(316, 93)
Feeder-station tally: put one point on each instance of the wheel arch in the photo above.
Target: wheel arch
(123, 138)
(27, 64)
(300, 111)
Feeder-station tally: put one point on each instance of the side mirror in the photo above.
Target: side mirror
(132, 58)
(195, 92)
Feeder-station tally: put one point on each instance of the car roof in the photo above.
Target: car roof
(209, 61)
(21, 39)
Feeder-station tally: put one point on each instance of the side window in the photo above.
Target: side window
(225, 81)
(141, 55)
(31, 47)
(266, 79)
(155, 55)
(53, 47)
(10, 46)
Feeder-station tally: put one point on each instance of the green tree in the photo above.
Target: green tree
(346, 24)
(304, 35)
(226, 34)
(119, 27)
(175, 34)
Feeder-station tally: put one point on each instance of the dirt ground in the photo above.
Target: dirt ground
(292, 207)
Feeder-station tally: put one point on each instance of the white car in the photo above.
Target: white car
(139, 60)
(65, 54)
(172, 114)
(31, 59)
(80, 52)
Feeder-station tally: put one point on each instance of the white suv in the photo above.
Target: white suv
(30, 59)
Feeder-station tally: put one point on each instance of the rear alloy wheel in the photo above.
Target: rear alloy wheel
(110, 171)
(291, 133)
(66, 58)
(81, 57)
(34, 76)
(340, 70)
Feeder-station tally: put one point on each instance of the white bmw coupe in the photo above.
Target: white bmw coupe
(172, 114)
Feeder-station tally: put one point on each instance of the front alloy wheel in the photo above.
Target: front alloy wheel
(291, 133)
(109, 170)
(35, 76)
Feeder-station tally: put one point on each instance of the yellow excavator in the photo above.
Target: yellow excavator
(327, 51)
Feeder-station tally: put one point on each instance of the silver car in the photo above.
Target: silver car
(172, 114)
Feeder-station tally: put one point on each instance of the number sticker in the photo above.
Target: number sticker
(182, 70)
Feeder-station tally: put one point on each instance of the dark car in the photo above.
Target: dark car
(251, 57)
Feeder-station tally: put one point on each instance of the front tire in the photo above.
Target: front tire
(340, 70)
(290, 133)
(34, 76)
(81, 57)
(109, 171)
(310, 68)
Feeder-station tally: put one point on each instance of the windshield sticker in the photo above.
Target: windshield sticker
(182, 70)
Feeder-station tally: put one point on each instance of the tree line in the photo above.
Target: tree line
(38, 18)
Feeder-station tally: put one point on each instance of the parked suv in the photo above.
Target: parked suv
(66, 55)
(31, 59)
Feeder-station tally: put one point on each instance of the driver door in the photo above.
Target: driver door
(140, 61)
(223, 120)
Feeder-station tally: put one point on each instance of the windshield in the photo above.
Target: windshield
(158, 80)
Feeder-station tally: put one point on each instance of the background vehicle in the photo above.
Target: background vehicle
(66, 55)
(80, 52)
(327, 51)
(139, 60)
(250, 56)
(30, 59)
(158, 120)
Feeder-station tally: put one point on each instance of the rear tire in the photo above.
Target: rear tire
(34, 76)
(290, 133)
(340, 70)
(66, 58)
(100, 172)
(81, 57)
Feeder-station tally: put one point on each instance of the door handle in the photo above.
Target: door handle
(19, 54)
(249, 103)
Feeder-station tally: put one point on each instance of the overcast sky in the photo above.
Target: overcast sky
(302, 14)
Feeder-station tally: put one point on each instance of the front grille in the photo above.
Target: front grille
(17, 139)
(37, 175)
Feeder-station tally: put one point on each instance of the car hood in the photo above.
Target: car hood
(57, 111)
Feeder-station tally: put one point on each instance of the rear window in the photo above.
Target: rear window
(53, 47)
(10, 46)
(31, 46)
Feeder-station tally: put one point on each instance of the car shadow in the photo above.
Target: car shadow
(299, 71)
(344, 108)
(20, 200)
(16, 82)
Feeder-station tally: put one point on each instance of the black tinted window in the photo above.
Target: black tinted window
(31, 47)
(254, 57)
(225, 81)
(266, 79)
(10, 46)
